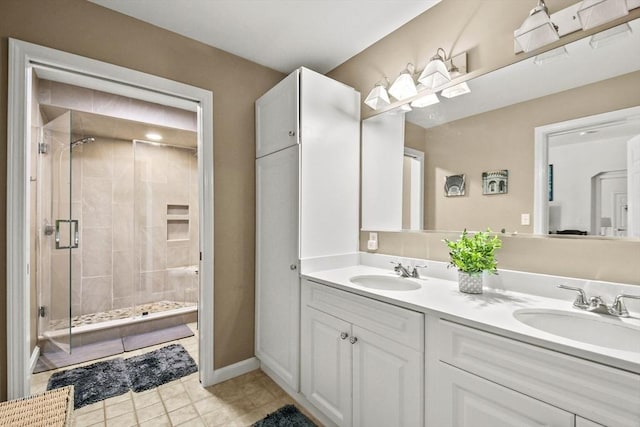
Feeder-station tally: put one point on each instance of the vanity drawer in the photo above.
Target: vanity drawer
(607, 395)
(395, 323)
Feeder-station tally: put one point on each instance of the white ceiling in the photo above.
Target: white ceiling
(280, 34)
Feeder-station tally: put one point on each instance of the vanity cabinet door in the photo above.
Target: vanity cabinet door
(387, 382)
(466, 400)
(326, 364)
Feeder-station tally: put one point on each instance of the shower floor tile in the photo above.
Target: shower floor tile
(120, 313)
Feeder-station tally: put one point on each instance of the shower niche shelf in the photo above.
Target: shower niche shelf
(177, 222)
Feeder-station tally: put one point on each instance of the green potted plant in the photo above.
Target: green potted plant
(472, 255)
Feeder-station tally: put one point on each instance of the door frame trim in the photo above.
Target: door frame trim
(81, 71)
(541, 158)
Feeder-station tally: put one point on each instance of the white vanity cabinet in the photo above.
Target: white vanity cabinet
(307, 185)
(361, 360)
(472, 401)
(476, 378)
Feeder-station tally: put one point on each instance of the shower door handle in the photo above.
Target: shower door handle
(76, 233)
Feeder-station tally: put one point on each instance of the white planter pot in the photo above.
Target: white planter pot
(470, 283)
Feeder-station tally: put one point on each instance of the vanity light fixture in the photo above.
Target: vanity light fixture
(378, 97)
(153, 136)
(456, 90)
(435, 73)
(425, 101)
(537, 30)
(593, 13)
(404, 87)
(609, 36)
(551, 55)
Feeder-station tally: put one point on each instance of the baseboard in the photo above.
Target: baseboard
(298, 397)
(235, 370)
(34, 359)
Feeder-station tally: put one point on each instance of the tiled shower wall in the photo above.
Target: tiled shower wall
(121, 198)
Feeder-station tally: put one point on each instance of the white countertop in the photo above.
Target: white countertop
(491, 311)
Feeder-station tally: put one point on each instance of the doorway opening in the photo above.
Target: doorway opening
(83, 223)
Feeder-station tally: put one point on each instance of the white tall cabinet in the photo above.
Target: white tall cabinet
(307, 193)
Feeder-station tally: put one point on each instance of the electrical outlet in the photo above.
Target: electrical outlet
(525, 219)
(372, 243)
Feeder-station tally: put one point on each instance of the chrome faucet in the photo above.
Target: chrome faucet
(581, 299)
(407, 272)
(401, 269)
(618, 308)
(597, 305)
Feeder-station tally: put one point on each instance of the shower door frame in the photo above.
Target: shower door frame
(65, 67)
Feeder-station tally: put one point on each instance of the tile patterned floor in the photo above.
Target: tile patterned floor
(235, 403)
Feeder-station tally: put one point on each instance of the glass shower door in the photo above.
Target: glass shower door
(59, 236)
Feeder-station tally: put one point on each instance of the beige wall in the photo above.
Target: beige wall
(86, 29)
(504, 139)
(484, 28)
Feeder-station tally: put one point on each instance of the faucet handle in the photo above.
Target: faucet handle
(618, 308)
(581, 298)
(414, 271)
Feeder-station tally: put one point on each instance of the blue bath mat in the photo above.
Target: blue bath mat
(93, 383)
(158, 367)
(287, 416)
(102, 380)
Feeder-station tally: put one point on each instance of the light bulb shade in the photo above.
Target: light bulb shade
(435, 74)
(457, 90)
(611, 35)
(403, 87)
(551, 55)
(536, 31)
(593, 13)
(377, 98)
(425, 101)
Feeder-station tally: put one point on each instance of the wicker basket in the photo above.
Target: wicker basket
(52, 408)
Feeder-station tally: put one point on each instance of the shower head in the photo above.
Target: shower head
(82, 141)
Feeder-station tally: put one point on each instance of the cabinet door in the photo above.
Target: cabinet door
(326, 364)
(277, 280)
(387, 382)
(277, 116)
(466, 400)
(330, 168)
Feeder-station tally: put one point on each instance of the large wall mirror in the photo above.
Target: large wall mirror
(541, 146)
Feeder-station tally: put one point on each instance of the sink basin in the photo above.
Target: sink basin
(589, 328)
(386, 283)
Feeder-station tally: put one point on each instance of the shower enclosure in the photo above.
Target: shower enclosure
(117, 227)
